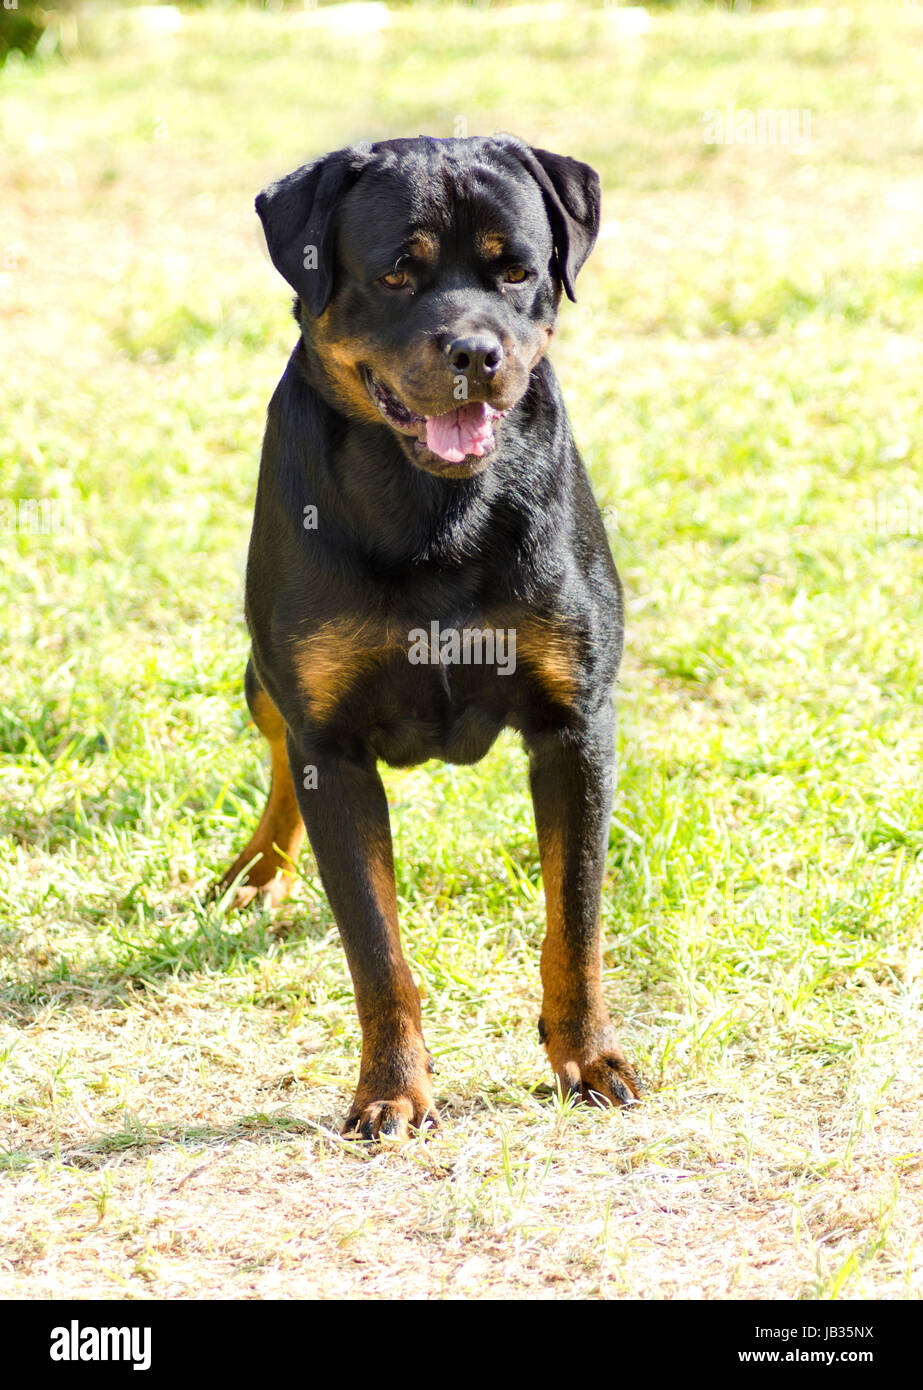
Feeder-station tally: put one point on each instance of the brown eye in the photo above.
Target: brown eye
(515, 275)
(395, 280)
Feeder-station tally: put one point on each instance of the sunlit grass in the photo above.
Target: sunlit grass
(742, 372)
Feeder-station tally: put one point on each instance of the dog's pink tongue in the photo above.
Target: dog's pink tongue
(466, 430)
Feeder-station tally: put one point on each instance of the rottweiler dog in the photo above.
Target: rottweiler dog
(428, 566)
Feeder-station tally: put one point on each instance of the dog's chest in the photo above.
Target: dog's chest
(437, 689)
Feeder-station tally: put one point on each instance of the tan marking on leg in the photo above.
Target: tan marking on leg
(394, 1091)
(575, 1024)
(279, 835)
(558, 983)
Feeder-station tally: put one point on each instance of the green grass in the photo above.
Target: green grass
(743, 373)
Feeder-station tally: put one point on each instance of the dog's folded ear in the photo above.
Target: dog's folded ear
(297, 214)
(572, 201)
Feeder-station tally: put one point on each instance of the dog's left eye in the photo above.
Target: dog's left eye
(394, 280)
(515, 275)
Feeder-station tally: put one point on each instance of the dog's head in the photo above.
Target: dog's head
(428, 274)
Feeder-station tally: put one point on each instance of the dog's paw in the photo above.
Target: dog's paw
(265, 884)
(391, 1119)
(593, 1069)
(395, 1118)
(603, 1080)
(269, 895)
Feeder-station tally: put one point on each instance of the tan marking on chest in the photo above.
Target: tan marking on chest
(547, 650)
(329, 661)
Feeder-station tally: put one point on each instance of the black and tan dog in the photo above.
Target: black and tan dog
(428, 565)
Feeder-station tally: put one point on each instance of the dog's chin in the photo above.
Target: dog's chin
(456, 444)
(468, 467)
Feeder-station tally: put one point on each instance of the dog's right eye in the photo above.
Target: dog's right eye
(394, 280)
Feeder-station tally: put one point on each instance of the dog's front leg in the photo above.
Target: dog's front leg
(345, 811)
(571, 774)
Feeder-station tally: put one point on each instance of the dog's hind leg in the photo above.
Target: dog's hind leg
(277, 839)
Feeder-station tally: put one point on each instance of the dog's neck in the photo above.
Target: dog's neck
(398, 514)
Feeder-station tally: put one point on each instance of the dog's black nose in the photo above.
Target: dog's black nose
(480, 354)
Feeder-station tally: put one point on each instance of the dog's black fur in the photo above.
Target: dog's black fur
(428, 275)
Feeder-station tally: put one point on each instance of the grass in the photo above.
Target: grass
(743, 373)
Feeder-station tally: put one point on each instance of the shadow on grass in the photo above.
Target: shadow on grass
(140, 949)
(140, 1140)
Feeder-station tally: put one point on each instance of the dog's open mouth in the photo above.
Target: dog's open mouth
(466, 432)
